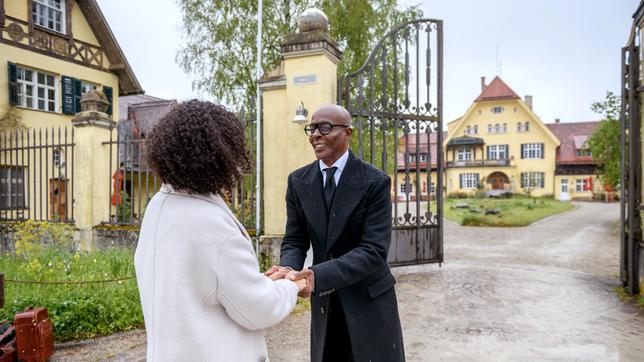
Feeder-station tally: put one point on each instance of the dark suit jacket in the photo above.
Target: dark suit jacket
(350, 245)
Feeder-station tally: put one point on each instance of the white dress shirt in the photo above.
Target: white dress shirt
(339, 163)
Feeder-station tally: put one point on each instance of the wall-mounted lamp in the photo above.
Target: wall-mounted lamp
(300, 113)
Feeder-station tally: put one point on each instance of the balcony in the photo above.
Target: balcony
(479, 163)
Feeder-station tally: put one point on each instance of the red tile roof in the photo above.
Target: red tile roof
(572, 136)
(496, 90)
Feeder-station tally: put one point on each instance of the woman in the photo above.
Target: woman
(203, 296)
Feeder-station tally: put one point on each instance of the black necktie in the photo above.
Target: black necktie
(329, 187)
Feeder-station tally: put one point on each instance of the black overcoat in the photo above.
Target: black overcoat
(350, 245)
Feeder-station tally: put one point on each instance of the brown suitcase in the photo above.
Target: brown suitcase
(7, 342)
(34, 335)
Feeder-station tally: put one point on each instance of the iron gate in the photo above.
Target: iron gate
(631, 170)
(395, 100)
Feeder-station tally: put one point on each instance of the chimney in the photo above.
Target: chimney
(483, 84)
(528, 101)
(557, 120)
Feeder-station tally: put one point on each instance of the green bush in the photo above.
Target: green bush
(45, 254)
(458, 195)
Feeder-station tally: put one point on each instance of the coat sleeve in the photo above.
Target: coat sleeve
(371, 253)
(296, 238)
(250, 298)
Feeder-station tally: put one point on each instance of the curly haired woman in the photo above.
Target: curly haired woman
(203, 296)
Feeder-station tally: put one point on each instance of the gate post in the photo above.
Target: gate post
(306, 77)
(91, 171)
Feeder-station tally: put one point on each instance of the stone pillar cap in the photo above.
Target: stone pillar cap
(313, 19)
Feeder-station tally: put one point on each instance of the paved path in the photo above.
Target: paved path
(538, 293)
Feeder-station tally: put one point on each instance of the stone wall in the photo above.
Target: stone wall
(115, 236)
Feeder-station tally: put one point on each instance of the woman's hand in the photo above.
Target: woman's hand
(301, 283)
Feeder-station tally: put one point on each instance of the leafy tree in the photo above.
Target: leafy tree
(220, 46)
(604, 143)
(11, 120)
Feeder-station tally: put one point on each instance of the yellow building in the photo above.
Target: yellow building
(500, 144)
(53, 51)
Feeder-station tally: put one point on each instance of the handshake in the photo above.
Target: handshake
(303, 279)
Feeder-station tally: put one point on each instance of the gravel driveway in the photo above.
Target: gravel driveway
(542, 292)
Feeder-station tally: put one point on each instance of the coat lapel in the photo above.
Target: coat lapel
(309, 190)
(350, 190)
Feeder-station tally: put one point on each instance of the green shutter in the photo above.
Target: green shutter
(543, 177)
(460, 179)
(13, 84)
(68, 95)
(78, 92)
(542, 149)
(109, 94)
(507, 152)
(522, 146)
(522, 177)
(478, 183)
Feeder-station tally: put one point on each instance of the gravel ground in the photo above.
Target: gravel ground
(542, 292)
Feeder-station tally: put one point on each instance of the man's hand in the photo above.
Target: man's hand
(310, 282)
(277, 272)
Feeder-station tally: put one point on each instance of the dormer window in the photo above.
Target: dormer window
(49, 14)
(497, 109)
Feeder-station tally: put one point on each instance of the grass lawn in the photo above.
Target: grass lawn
(517, 211)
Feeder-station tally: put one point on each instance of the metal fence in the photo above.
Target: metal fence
(132, 183)
(37, 174)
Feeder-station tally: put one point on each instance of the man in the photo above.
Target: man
(342, 207)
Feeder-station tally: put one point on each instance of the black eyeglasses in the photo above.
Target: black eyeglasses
(324, 127)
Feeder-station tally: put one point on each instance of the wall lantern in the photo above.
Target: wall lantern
(300, 113)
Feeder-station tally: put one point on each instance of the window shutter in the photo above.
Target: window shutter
(543, 179)
(460, 179)
(487, 152)
(522, 146)
(78, 92)
(507, 152)
(477, 181)
(68, 95)
(522, 176)
(13, 84)
(542, 149)
(109, 94)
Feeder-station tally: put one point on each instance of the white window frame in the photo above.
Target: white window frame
(489, 128)
(526, 127)
(519, 126)
(423, 157)
(32, 101)
(44, 13)
(579, 185)
(476, 129)
(564, 185)
(584, 152)
(470, 180)
(497, 109)
(464, 154)
(505, 128)
(87, 86)
(497, 128)
(532, 180)
(412, 157)
(406, 188)
(498, 152)
(531, 151)
(433, 188)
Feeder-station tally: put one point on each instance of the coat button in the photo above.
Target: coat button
(322, 310)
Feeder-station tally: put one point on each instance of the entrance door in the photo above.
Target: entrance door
(58, 199)
(497, 180)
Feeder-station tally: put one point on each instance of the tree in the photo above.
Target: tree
(220, 48)
(11, 120)
(604, 143)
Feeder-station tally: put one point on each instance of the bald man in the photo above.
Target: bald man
(341, 207)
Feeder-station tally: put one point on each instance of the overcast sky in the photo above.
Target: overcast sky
(566, 53)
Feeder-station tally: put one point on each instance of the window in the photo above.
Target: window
(519, 127)
(423, 157)
(412, 157)
(58, 158)
(532, 179)
(526, 127)
(49, 14)
(489, 128)
(87, 86)
(433, 188)
(497, 109)
(464, 154)
(564, 185)
(12, 187)
(497, 152)
(579, 185)
(476, 129)
(471, 129)
(584, 152)
(497, 128)
(35, 89)
(532, 150)
(505, 128)
(469, 180)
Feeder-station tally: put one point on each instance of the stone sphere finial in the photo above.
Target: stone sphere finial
(94, 100)
(313, 19)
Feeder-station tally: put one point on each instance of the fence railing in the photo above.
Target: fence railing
(37, 174)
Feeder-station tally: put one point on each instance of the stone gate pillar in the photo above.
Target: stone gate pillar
(307, 76)
(91, 195)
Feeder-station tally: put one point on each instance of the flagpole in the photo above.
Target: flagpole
(258, 115)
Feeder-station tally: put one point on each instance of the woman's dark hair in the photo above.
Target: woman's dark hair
(198, 147)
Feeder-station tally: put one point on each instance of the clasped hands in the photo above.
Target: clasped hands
(304, 279)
